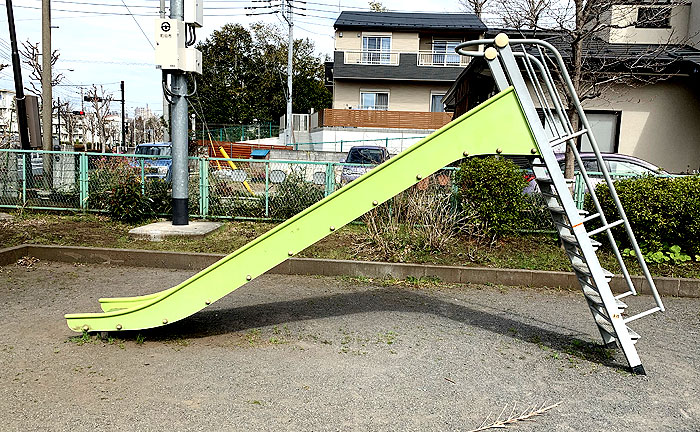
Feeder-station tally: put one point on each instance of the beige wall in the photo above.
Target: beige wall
(400, 41)
(402, 96)
(660, 123)
(625, 15)
(694, 24)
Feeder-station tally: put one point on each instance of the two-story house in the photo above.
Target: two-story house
(649, 64)
(390, 72)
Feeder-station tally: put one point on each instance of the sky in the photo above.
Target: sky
(105, 41)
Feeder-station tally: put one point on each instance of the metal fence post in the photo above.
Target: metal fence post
(341, 146)
(24, 179)
(386, 141)
(267, 189)
(83, 180)
(204, 187)
(329, 178)
(143, 177)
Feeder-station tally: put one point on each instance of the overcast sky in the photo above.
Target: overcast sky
(100, 43)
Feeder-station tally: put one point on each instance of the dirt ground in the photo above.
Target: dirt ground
(334, 354)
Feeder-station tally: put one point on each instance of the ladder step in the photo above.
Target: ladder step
(571, 239)
(605, 227)
(560, 210)
(594, 297)
(582, 268)
(605, 325)
(548, 180)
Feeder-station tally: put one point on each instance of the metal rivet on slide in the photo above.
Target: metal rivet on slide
(207, 302)
(290, 253)
(499, 150)
(533, 150)
(119, 326)
(418, 177)
(248, 277)
(465, 153)
(86, 327)
(374, 203)
(165, 320)
(332, 228)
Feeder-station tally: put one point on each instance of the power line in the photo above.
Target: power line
(139, 25)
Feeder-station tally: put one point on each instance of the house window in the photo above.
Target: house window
(436, 104)
(376, 49)
(444, 52)
(605, 127)
(653, 17)
(374, 100)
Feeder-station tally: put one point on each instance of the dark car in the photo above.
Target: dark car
(159, 165)
(362, 158)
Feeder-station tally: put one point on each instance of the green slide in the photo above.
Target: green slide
(496, 126)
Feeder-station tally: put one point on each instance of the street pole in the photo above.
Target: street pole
(19, 87)
(59, 121)
(290, 57)
(123, 130)
(166, 104)
(178, 126)
(46, 90)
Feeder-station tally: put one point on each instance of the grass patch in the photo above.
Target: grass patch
(532, 251)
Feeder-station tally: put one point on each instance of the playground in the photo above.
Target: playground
(322, 353)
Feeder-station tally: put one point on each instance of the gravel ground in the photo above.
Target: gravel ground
(333, 354)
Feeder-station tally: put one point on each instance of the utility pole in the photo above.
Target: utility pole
(19, 87)
(178, 125)
(166, 104)
(287, 6)
(46, 90)
(123, 124)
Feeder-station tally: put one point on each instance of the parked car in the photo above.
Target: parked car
(365, 158)
(157, 167)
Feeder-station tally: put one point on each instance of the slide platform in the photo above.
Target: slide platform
(496, 126)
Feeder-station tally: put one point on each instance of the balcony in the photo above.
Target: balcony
(431, 58)
(379, 119)
(372, 57)
(394, 65)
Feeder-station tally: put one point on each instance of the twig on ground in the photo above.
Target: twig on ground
(527, 414)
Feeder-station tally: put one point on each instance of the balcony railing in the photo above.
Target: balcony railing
(381, 119)
(388, 58)
(392, 58)
(431, 58)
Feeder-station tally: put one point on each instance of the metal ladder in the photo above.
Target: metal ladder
(532, 59)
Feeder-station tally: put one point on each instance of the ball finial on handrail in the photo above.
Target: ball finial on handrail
(501, 40)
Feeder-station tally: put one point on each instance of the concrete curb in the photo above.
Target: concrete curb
(680, 287)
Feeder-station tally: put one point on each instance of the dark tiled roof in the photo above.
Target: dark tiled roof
(412, 21)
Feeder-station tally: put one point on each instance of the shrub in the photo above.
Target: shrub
(126, 202)
(662, 212)
(416, 220)
(493, 188)
(159, 194)
(293, 195)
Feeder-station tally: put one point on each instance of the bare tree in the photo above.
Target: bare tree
(69, 120)
(478, 7)
(100, 104)
(583, 25)
(377, 6)
(31, 54)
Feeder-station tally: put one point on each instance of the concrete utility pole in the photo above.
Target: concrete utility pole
(166, 104)
(46, 90)
(178, 125)
(19, 87)
(288, 4)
